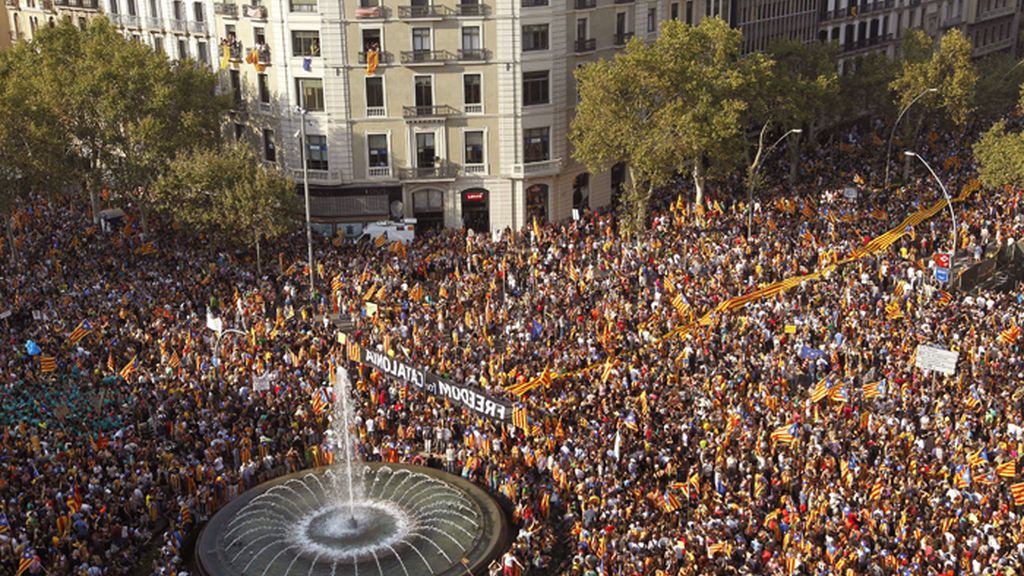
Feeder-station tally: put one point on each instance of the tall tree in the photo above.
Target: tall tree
(804, 91)
(950, 69)
(120, 109)
(675, 105)
(859, 89)
(999, 79)
(1000, 157)
(222, 191)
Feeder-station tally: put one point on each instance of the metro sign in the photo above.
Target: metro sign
(942, 260)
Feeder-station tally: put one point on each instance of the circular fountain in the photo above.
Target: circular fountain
(409, 521)
(354, 519)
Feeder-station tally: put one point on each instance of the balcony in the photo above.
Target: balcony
(129, 21)
(376, 112)
(474, 169)
(996, 13)
(624, 1)
(442, 111)
(428, 173)
(178, 26)
(423, 12)
(867, 43)
(263, 55)
(379, 172)
(472, 9)
(412, 57)
(198, 27)
(585, 4)
(235, 51)
(46, 5)
(534, 3)
(254, 12)
(475, 55)
(952, 22)
(371, 12)
(473, 109)
(12, 3)
(316, 175)
(303, 6)
(622, 38)
(855, 10)
(226, 10)
(588, 45)
(542, 168)
(153, 23)
(382, 58)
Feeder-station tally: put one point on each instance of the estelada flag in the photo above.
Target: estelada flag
(128, 369)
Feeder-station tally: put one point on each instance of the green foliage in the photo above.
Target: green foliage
(1000, 157)
(805, 87)
(860, 90)
(227, 194)
(104, 109)
(999, 82)
(678, 104)
(950, 69)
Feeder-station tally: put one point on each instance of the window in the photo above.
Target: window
(535, 37)
(535, 88)
(259, 35)
(305, 43)
(152, 9)
(264, 86)
(182, 49)
(239, 132)
(474, 150)
(197, 10)
(158, 44)
(471, 38)
(236, 86)
(371, 39)
(131, 8)
(620, 24)
(377, 150)
(535, 145)
(423, 90)
(652, 19)
(472, 93)
(316, 152)
(421, 38)
(82, 23)
(311, 94)
(178, 10)
(581, 29)
(375, 96)
(689, 12)
(674, 11)
(269, 150)
(201, 53)
(426, 152)
(113, 7)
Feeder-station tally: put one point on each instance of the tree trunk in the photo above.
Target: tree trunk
(259, 265)
(794, 157)
(143, 220)
(698, 180)
(635, 202)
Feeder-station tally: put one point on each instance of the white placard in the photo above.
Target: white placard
(260, 383)
(6, 314)
(938, 359)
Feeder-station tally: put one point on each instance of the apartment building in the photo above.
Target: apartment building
(6, 37)
(456, 114)
(24, 17)
(178, 28)
(992, 25)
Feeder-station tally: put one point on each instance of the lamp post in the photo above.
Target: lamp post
(888, 148)
(949, 202)
(305, 190)
(755, 166)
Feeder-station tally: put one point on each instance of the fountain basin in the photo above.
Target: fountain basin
(409, 521)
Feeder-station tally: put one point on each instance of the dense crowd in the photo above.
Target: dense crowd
(790, 436)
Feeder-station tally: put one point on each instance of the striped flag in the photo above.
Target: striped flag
(945, 298)
(962, 478)
(1010, 335)
(607, 370)
(974, 400)
(110, 362)
(1007, 469)
(47, 364)
(336, 283)
(670, 502)
(128, 369)
(838, 394)
(81, 331)
(718, 547)
(876, 490)
(643, 403)
(893, 310)
(874, 390)
(27, 559)
(680, 304)
(785, 434)
(821, 391)
(1017, 490)
(4, 524)
(175, 361)
(380, 240)
(355, 353)
(898, 291)
(520, 419)
(320, 401)
(978, 457)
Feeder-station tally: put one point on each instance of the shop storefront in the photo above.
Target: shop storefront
(428, 209)
(476, 210)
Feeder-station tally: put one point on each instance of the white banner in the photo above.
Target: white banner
(938, 359)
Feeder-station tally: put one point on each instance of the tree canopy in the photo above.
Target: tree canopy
(949, 69)
(679, 104)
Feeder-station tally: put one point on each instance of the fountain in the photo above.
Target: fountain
(352, 519)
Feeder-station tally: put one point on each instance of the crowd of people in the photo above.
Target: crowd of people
(792, 435)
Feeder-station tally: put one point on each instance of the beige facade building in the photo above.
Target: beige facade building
(6, 38)
(25, 17)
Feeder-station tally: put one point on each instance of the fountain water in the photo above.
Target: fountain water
(353, 519)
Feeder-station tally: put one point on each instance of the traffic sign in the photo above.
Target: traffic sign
(942, 274)
(942, 259)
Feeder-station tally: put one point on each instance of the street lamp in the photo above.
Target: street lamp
(305, 190)
(888, 148)
(949, 202)
(755, 166)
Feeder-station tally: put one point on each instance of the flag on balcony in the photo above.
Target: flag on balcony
(225, 55)
(307, 64)
(372, 59)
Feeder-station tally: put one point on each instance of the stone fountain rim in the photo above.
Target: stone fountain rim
(492, 544)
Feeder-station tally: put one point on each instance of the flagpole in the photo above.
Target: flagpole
(305, 191)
